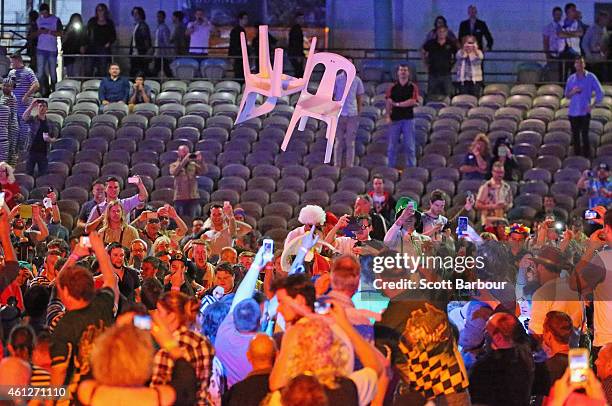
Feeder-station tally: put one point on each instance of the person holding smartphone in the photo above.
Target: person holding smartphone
(42, 134)
(187, 167)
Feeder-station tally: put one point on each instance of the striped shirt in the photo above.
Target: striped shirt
(41, 281)
(40, 377)
(23, 78)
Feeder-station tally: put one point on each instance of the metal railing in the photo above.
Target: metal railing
(499, 66)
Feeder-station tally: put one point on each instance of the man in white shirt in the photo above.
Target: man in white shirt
(554, 292)
(199, 33)
(570, 33)
(49, 28)
(553, 45)
(113, 187)
(348, 122)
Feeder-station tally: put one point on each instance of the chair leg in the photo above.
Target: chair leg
(294, 119)
(266, 107)
(332, 124)
(303, 122)
(246, 106)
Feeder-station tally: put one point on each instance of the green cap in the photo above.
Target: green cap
(402, 203)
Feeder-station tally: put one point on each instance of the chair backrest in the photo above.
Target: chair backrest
(265, 68)
(333, 64)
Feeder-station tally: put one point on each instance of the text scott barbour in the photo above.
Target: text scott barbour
(410, 284)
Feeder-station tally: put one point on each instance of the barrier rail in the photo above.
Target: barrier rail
(499, 66)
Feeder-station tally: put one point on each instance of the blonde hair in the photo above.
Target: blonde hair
(10, 172)
(109, 206)
(488, 236)
(320, 353)
(122, 356)
(159, 240)
(481, 137)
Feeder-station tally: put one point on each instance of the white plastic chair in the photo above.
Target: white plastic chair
(322, 105)
(269, 82)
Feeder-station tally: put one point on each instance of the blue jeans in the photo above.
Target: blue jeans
(47, 64)
(396, 129)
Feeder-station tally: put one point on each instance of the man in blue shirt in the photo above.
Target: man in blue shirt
(598, 187)
(578, 89)
(114, 88)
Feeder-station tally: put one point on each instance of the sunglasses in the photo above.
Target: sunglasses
(153, 221)
(163, 218)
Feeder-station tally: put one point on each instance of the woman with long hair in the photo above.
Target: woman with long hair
(476, 162)
(115, 228)
(178, 312)
(74, 42)
(469, 67)
(440, 21)
(9, 185)
(101, 35)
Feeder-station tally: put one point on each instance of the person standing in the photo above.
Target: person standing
(178, 37)
(49, 28)
(5, 115)
(570, 34)
(439, 56)
(553, 44)
(477, 28)
(101, 35)
(73, 43)
(594, 44)
(162, 46)
(42, 135)
(494, 197)
(578, 89)
(32, 38)
(25, 85)
(235, 49)
(185, 170)
(141, 42)
(401, 98)
(469, 67)
(199, 33)
(296, 46)
(348, 122)
(8, 99)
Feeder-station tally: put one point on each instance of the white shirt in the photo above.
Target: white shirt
(47, 42)
(555, 44)
(574, 42)
(199, 37)
(557, 295)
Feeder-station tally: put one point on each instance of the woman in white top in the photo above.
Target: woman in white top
(469, 67)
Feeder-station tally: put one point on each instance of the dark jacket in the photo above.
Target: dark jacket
(142, 40)
(235, 49)
(178, 38)
(100, 35)
(480, 30)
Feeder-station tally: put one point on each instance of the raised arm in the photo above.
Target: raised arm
(247, 285)
(106, 268)
(43, 231)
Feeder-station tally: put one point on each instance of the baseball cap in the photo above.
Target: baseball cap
(178, 256)
(604, 166)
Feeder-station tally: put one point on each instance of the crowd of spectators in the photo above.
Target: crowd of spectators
(157, 305)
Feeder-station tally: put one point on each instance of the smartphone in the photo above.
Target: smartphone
(193, 155)
(502, 151)
(25, 211)
(578, 365)
(226, 203)
(321, 306)
(268, 253)
(84, 241)
(1, 199)
(469, 194)
(590, 214)
(47, 203)
(133, 180)
(142, 322)
(462, 225)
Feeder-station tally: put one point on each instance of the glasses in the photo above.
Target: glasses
(163, 218)
(153, 221)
